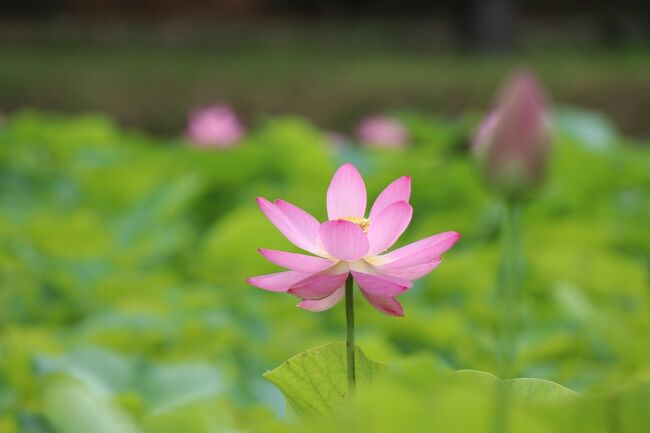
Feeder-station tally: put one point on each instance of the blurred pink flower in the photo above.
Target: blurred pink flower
(350, 243)
(217, 126)
(513, 141)
(382, 131)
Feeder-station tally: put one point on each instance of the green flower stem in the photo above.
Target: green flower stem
(508, 291)
(508, 297)
(349, 318)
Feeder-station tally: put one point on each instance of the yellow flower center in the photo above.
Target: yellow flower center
(363, 223)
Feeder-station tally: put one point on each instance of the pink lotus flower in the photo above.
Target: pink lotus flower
(513, 141)
(215, 126)
(382, 131)
(350, 243)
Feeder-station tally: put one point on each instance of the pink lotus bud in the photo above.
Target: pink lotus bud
(382, 131)
(217, 126)
(513, 141)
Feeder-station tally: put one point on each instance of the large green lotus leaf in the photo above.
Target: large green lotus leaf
(420, 395)
(537, 391)
(314, 382)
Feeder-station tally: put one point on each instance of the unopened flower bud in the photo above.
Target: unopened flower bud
(513, 141)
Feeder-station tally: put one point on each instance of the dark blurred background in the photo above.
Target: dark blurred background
(147, 62)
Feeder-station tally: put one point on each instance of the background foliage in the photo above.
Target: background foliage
(123, 306)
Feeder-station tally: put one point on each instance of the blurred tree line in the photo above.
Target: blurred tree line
(482, 24)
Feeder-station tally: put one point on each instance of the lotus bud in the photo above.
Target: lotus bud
(513, 141)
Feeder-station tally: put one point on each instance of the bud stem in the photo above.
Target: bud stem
(509, 288)
(508, 297)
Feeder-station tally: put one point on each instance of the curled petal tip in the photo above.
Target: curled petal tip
(455, 237)
(261, 201)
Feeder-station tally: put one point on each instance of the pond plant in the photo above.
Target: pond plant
(349, 248)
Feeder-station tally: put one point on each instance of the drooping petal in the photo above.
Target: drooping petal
(381, 285)
(346, 195)
(343, 240)
(422, 250)
(412, 272)
(296, 262)
(278, 282)
(318, 286)
(388, 227)
(294, 223)
(318, 305)
(386, 305)
(398, 190)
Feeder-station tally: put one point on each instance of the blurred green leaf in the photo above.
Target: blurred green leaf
(589, 129)
(71, 407)
(532, 390)
(123, 259)
(170, 386)
(160, 387)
